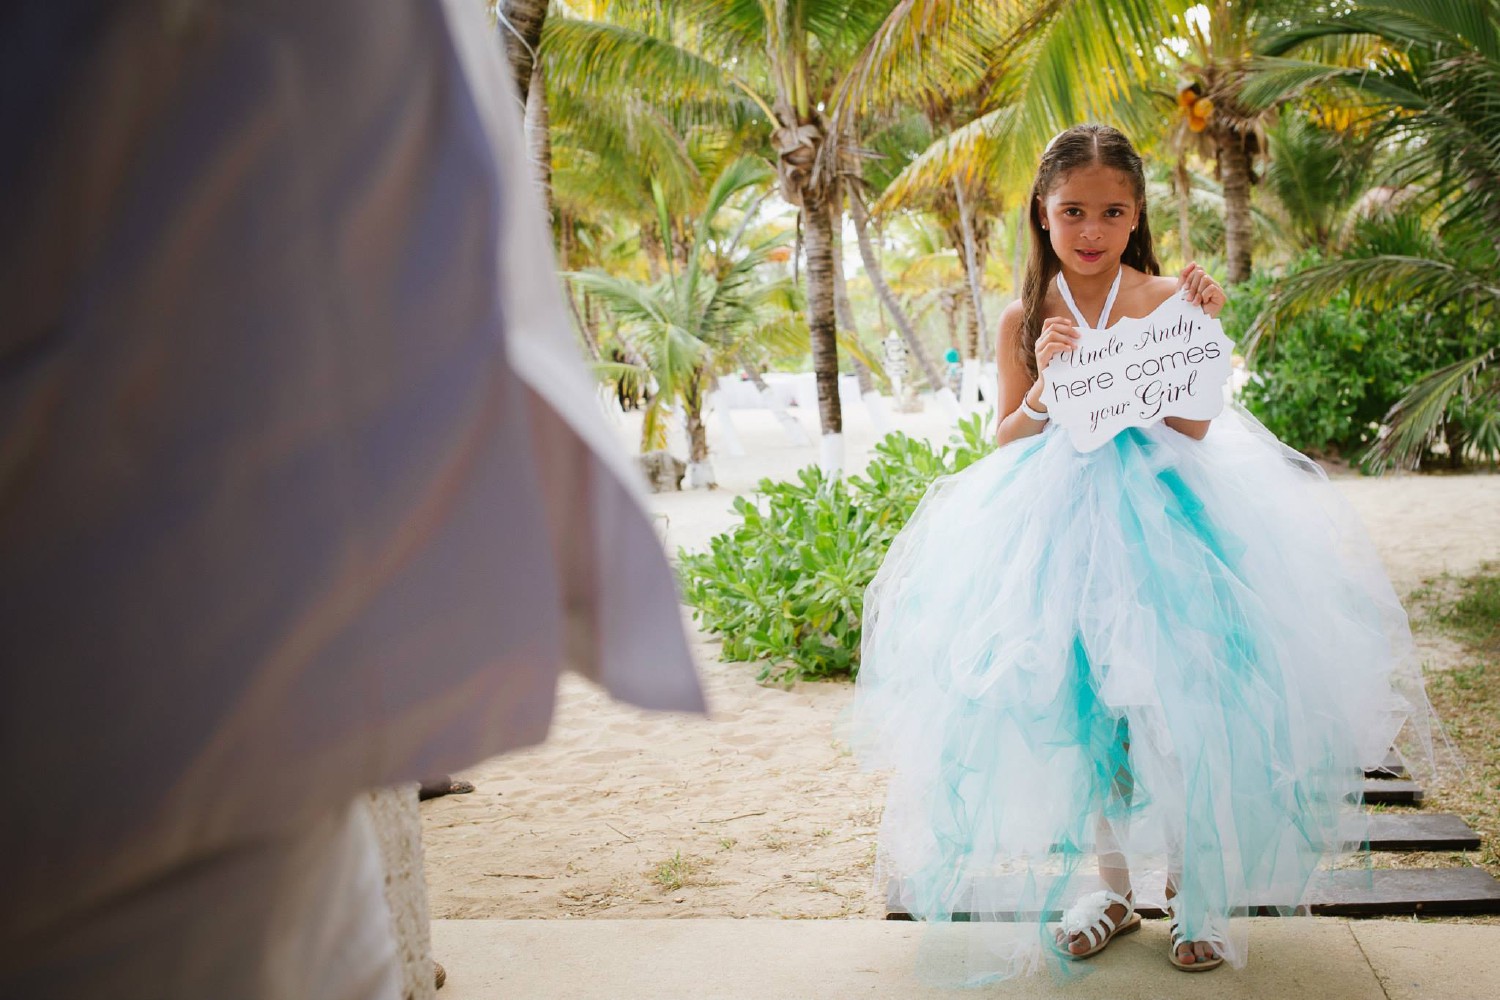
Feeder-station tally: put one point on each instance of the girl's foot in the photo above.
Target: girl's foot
(1193, 956)
(1095, 920)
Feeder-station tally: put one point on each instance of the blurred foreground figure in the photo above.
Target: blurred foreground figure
(303, 490)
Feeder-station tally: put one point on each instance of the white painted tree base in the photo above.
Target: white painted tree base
(795, 433)
(948, 403)
(700, 476)
(831, 461)
(880, 415)
(732, 443)
(969, 385)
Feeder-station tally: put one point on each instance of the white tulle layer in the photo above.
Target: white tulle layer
(1173, 654)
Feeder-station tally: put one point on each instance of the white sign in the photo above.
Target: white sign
(1172, 363)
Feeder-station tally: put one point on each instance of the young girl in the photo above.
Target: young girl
(1172, 654)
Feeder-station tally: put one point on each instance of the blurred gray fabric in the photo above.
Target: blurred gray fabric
(303, 487)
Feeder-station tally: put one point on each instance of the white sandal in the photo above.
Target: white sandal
(1179, 939)
(1088, 917)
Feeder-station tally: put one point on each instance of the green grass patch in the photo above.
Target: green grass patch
(1466, 698)
(674, 873)
(1474, 617)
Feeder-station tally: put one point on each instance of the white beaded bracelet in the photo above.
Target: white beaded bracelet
(1040, 416)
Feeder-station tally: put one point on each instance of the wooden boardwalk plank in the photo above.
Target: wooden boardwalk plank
(1387, 892)
(1392, 767)
(1421, 832)
(1392, 791)
(1431, 891)
(1417, 831)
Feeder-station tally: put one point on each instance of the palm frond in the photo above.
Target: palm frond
(1471, 23)
(1378, 280)
(855, 348)
(966, 152)
(629, 301)
(1316, 174)
(654, 423)
(1275, 79)
(1121, 44)
(619, 144)
(941, 269)
(1417, 419)
(617, 370)
(782, 339)
(603, 60)
(923, 48)
(744, 172)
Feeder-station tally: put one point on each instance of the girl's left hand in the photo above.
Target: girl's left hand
(1202, 289)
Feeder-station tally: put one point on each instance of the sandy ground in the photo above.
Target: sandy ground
(759, 810)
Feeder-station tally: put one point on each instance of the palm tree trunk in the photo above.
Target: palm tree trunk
(539, 138)
(700, 471)
(697, 433)
(586, 334)
(1234, 168)
(874, 403)
(588, 331)
(862, 376)
(817, 216)
(521, 27)
(887, 298)
(971, 322)
(843, 311)
(651, 246)
(1184, 203)
(973, 265)
(948, 301)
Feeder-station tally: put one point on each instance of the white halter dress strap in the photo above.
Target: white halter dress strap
(1109, 301)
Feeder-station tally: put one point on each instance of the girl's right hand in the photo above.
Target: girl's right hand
(1058, 336)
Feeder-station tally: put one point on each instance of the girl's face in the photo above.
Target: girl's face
(1089, 216)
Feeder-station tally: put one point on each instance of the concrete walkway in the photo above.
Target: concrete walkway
(1322, 959)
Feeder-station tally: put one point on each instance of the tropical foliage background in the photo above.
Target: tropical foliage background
(1336, 163)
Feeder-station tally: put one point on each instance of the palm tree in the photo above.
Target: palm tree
(618, 151)
(521, 24)
(808, 68)
(706, 316)
(1317, 176)
(1435, 96)
(963, 203)
(876, 275)
(1219, 46)
(819, 59)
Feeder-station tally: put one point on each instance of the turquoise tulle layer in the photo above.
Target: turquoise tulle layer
(1168, 657)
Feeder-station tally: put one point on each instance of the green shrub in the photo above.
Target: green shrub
(1325, 382)
(786, 585)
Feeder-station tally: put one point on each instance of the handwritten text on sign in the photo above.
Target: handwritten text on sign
(1172, 363)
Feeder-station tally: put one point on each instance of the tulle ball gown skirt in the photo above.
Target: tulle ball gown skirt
(1171, 655)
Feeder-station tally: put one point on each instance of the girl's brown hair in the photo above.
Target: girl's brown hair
(1079, 146)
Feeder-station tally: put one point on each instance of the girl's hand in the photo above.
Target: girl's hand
(1202, 289)
(1058, 336)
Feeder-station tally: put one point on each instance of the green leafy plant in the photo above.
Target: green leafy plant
(675, 872)
(1328, 381)
(1332, 375)
(786, 585)
(1429, 98)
